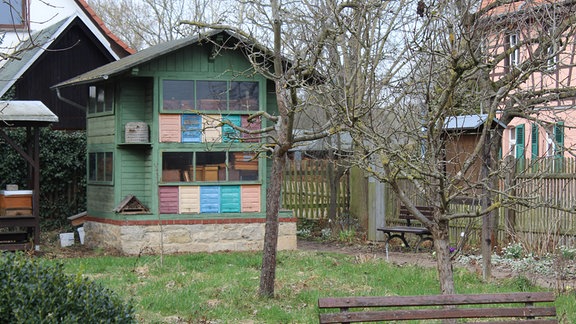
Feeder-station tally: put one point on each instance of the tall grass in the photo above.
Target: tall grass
(222, 287)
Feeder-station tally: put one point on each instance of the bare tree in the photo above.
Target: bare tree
(459, 64)
(143, 23)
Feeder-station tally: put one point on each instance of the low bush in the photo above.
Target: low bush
(36, 291)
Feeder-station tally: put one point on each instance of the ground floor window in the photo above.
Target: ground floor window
(209, 166)
(100, 167)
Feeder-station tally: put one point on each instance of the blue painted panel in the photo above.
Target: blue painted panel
(191, 128)
(230, 199)
(229, 134)
(210, 199)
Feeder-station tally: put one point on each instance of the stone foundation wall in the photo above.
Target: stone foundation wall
(136, 239)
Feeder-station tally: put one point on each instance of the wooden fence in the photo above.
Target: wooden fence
(544, 217)
(306, 189)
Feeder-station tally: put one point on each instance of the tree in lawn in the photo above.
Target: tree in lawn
(461, 61)
(326, 71)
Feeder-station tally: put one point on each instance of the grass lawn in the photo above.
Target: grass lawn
(222, 287)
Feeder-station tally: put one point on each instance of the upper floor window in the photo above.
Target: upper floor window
(13, 14)
(101, 99)
(514, 56)
(552, 56)
(183, 95)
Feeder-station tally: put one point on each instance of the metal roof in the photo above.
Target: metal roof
(25, 111)
(468, 122)
(143, 56)
(32, 48)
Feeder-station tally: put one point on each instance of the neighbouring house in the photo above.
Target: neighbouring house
(550, 134)
(49, 42)
(166, 170)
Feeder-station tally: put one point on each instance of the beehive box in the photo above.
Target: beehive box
(15, 202)
(136, 132)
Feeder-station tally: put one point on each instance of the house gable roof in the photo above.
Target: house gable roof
(32, 49)
(118, 46)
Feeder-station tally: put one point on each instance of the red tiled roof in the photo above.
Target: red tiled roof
(121, 48)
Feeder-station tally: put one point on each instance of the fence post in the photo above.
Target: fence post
(510, 189)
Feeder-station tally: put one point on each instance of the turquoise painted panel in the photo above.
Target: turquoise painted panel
(191, 128)
(229, 134)
(230, 201)
(210, 199)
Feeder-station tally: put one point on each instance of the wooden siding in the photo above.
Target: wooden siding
(170, 128)
(134, 176)
(168, 200)
(210, 199)
(196, 59)
(134, 100)
(100, 199)
(230, 199)
(100, 130)
(212, 132)
(189, 199)
(250, 196)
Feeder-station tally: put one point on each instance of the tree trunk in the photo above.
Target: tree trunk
(443, 261)
(268, 272)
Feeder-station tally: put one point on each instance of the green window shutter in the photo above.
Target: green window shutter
(559, 138)
(534, 142)
(520, 141)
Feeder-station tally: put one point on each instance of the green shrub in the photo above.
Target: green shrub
(34, 290)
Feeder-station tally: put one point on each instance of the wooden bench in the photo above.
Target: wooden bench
(399, 231)
(511, 307)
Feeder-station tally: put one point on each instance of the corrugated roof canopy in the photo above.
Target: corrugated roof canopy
(469, 122)
(25, 111)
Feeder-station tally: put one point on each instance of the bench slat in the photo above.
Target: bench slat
(436, 300)
(421, 314)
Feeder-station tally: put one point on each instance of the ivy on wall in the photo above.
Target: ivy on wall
(62, 172)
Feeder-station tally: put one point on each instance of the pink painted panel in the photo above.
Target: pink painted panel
(250, 198)
(168, 197)
(170, 128)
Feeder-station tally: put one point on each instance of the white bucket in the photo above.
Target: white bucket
(81, 234)
(66, 239)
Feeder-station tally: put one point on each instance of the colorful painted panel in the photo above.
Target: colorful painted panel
(212, 129)
(229, 134)
(189, 199)
(250, 195)
(168, 200)
(230, 199)
(210, 199)
(253, 124)
(170, 128)
(191, 128)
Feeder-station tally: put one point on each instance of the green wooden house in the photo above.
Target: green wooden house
(166, 171)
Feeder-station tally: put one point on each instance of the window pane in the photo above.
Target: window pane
(178, 94)
(92, 166)
(92, 100)
(244, 96)
(243, 166)
(109, 166)
(11, 12)
(109, 99)
(211, 166)
(211, 95)
(176, 166)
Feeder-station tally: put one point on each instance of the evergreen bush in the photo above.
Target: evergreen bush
(34, 290)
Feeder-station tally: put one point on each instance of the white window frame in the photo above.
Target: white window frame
(513, 57)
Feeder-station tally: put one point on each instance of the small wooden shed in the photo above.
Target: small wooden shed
(158, 132)
(20, 209)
